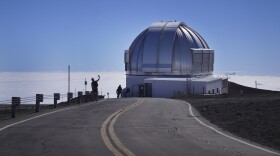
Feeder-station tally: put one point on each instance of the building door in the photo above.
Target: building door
(203, 90)
(141, 91)
(148, 90)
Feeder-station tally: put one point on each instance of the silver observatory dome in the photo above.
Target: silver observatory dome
(169, 49)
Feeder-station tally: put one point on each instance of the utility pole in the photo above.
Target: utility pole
(68, 78)
(257, 84)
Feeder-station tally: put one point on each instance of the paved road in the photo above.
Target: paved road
(121, 127)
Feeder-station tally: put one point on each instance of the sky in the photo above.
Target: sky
(91, 35)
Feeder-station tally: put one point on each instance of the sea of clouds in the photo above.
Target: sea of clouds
(263, 82)
(28, 84)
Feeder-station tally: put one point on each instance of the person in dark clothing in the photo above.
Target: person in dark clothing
(119, 91)
(94, 86)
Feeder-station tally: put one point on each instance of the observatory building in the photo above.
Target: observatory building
(167, 59)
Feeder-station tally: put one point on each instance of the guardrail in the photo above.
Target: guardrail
(17, 103)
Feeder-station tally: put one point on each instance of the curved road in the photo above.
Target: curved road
(131, 126)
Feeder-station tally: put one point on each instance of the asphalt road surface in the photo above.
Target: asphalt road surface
(131, 126)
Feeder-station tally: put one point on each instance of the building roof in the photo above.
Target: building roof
(198, 79)
(205, 79)
(164, 48)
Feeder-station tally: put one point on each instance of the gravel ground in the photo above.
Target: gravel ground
(255, 115)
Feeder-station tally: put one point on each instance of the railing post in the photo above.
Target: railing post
(80, 96)
(39, 98)
(56, 96)
(69, 97)
(15, 103)
(87, 95)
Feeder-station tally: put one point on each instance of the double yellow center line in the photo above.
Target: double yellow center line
(120, 149)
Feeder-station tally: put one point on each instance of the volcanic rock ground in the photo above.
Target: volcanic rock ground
(254, 115)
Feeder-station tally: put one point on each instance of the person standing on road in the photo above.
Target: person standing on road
(94, 86)
(119, 91)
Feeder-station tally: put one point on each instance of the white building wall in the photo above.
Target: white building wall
(133, 82)
(166, 88)
(170, 87)
(197, 87)
(199, 84)
(214, 85)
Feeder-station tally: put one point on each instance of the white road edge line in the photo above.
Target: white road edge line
(233, 138)
(111, 121)
(35, 117)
